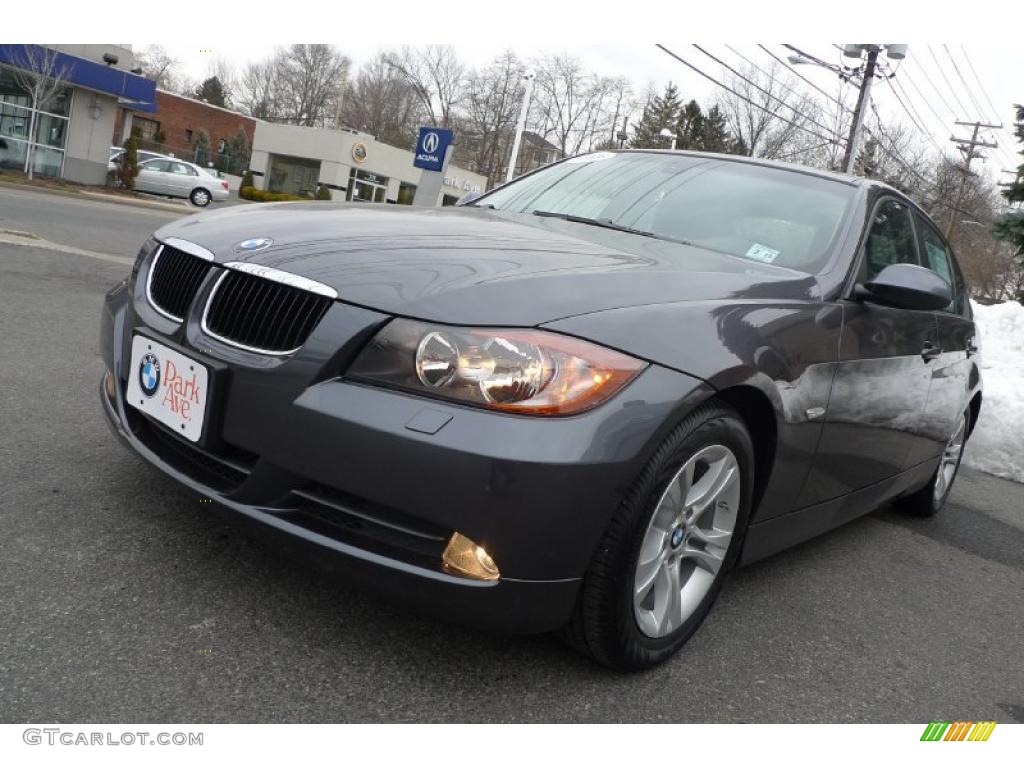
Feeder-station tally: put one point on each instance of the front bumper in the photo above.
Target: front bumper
(338, 466)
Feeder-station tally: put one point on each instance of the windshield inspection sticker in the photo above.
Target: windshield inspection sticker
(591, 157)
(762, 253)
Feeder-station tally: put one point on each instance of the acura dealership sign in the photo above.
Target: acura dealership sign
(431, 148)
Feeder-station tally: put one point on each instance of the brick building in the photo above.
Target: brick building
(175, 126)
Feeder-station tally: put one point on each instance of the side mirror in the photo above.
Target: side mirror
(468, 198)
(906, 286)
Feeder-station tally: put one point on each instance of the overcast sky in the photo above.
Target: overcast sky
(999, 66)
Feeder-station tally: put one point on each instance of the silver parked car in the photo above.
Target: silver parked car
(176, 178)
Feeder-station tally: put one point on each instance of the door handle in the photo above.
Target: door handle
(930, 352)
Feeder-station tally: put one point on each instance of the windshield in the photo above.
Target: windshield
(769, 215)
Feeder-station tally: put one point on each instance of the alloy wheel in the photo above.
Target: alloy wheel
(686, 541)
(950, 461)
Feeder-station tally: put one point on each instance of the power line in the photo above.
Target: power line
(982, 86)
(924, 98)
(948, 84)
(920, 121)
(967, 88)
(769, 94)
(780, 83)
(815, 87)
(744, 98)
(938, 92)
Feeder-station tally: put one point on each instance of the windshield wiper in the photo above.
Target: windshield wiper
(605, 223)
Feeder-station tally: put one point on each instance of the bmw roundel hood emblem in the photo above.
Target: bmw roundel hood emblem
(149, 374)
(254, 244)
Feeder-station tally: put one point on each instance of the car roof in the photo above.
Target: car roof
(844, 178)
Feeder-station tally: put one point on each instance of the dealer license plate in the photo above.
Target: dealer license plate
(168, 386)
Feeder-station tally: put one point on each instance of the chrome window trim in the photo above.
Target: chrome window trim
(189, 248)
(149, 283)
(232, 343)
(286, 278)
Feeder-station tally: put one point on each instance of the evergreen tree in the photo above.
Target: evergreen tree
(201, 148)
(689, 126)
(714, 132)
(866, 163)
(1010, 226)
(659, 113)
(212, 92)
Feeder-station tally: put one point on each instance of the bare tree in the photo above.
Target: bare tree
(311, 78)
(38, 72)
(568, 100)
(382, 102)
(300, 84)
(769, 115)
(436, 76)
(490, 110)
(157, 64)
(257, 90)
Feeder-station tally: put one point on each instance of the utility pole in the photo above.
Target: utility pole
(969, 155)
(861, 108)
(520, 126)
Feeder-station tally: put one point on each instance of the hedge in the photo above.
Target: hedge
(263, 196)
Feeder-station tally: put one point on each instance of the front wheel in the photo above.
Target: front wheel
(667, 551)
(200, 197)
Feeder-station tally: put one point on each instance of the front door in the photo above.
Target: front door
(886, 355)
(152, 177)
(950, 385)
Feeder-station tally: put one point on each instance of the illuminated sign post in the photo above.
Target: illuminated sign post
(432, 155)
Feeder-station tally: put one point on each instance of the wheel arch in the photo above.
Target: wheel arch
(761, 419)
(975, 409)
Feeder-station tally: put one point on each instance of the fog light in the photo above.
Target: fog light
(467, 558)
(111, 388)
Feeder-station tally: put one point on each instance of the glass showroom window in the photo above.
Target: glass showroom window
(51, 127)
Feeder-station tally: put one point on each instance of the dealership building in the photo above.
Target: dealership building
(73, 128)
(353, 165)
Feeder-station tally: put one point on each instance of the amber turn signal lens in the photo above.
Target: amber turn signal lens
(108, 384)
(464, 557)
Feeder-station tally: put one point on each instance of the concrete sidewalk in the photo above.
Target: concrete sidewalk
(181, 206)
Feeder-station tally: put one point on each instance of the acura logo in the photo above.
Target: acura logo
(430, 142)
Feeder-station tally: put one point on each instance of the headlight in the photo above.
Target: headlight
(144, 252)
(523, 371)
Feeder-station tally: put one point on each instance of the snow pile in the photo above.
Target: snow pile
(997, 444)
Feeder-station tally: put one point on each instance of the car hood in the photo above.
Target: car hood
(478, 266)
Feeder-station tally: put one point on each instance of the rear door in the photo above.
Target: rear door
(874, 416)
(181, 179)
(950, 384)
(152, 177)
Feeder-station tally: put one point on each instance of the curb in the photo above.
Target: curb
(99, 196)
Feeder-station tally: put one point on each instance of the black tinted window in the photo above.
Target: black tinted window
(936, 256)
(890, 239)
(770, 215)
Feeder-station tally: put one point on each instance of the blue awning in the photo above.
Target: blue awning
(136, 90)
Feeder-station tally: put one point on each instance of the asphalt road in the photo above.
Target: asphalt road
(123, 599)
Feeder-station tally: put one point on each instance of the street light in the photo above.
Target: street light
(667, 134)
(520, 126)
(894, 51)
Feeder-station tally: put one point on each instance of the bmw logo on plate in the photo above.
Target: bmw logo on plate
(254, 244)
(149, 374)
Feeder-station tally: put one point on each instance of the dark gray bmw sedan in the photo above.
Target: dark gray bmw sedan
(574, 404)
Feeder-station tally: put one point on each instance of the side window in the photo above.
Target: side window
(890, 240)
(938, 259)
(154, 165)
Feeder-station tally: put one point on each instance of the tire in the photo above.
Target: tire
(611, 622)
(929, 500)
(200, 197)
